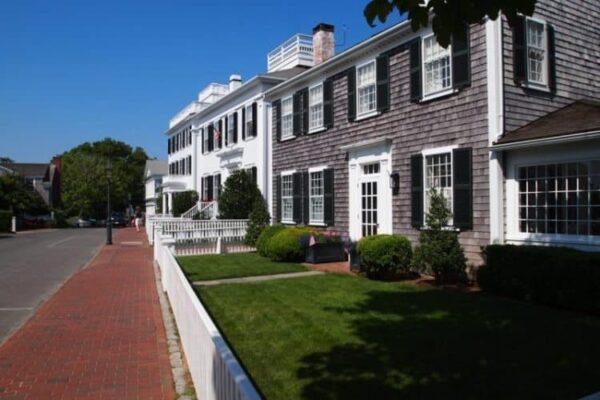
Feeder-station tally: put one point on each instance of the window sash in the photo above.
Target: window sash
(287, 118)
(315, 106)
(287, 198)
(316, 197)
(437, 66)
(216, 187)
(205, 139)
(230, 130)
(249, 121)
(438, 175)
(366, 86)
(536, 52)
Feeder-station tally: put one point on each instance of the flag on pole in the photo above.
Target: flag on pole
(217, 133)
(312, 241)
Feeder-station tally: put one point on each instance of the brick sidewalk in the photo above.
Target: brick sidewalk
(101, 336)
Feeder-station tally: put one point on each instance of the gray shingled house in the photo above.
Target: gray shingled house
(504, 123)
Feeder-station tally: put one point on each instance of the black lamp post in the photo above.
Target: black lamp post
(108, 210)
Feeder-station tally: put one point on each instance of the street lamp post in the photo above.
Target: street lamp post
(108, 210)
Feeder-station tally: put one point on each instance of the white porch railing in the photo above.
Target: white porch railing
(215, 371)
(206, 209)
(191, 212)
(153, 221)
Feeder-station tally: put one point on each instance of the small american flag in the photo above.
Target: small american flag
(312, 241)
(217, 133)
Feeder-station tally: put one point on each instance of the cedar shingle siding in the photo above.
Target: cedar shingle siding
(460, 119)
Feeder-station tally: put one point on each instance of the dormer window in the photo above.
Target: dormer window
(437, 73)
(366, 86)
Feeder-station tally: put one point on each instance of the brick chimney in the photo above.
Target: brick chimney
(323, 42)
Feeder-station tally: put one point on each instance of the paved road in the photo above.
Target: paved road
(34, 264)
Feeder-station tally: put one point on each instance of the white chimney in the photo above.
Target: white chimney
(235, 81)
(323, 42)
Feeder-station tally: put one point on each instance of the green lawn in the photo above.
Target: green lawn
(203, 268)
(339, 336)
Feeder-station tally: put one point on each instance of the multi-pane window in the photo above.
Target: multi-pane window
(287, 198)
(371, 169)
(216, 186)
(536, 52)
(437, 75)
(249, 121)
(205, 189)
(205, 139)
(438, 176)
(287, 118)
(315, 106)
(230, 129)
(366, 88)
(562, 198)
(316, 197)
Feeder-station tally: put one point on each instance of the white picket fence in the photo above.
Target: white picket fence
(215, 371)
(153, 222)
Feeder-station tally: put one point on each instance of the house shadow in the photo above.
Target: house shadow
(432, 344)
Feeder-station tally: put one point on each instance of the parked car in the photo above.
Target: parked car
(85, 223)
(119, 219)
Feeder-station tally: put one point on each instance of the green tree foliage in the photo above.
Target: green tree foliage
(448, 16)
(258, 220)
(238, 197)
(439, 252)
(84, 181)
(183, 201)
(17, 197)
(6, 160)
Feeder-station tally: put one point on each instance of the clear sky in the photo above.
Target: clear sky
(73, 71)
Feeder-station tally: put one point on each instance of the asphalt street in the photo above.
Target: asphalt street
(33, 265)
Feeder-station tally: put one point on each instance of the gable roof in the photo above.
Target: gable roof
(27, 170)
(582, 116)
(155, 168)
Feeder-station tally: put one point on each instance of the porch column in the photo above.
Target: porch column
(170, 197)
(164, 203)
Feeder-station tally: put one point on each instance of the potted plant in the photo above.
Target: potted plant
(325, 247)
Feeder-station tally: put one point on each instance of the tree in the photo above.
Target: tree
(84, 180)
(258, 220)
(6, 160)
(18, 198)
(238, 197)
(183, 201)
(448, 17)
(439, 251)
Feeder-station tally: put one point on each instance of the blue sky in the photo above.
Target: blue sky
(75, 71)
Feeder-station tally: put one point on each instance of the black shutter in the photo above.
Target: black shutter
(305, 111)
(416, 165)
(254, 118)
(297, 114)
(243, 123)
(328, 103)
(277, 109)
(220, 138)
(383, 83)
(209, 183)
(520, 51)
(305, 198)
(328, 197)
(169, 146)
(226, 132)
(211, 139)
(551, 59)
(462, 188)
(278, 199)
(351, 78)
(461, 61)
(235, 127)
(202, 133)
(297, 198)
(253, 172)
(218, 185)
(416, 83)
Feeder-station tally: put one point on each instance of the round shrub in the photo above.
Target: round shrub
(287, 245)
(385, 254)
(265, 238)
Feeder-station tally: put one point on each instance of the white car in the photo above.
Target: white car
(84, 223)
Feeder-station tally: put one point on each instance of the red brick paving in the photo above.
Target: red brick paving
(101, 336)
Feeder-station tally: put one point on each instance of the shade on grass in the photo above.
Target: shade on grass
(339, 336)
(201, 268)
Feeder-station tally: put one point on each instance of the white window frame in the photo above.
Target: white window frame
(433, 152)
(321, 170)
(441, 92)
(205, 188)
(215, 186)
(286, 174)
(205, 140)
(248, 122)
(367, 113)
(544, 84)
(315, 128)
(285, 135)
(230, 129)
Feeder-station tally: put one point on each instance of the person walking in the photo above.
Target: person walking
(138, 218)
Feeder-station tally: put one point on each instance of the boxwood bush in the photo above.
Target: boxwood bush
(5, 220)
(265, 238)
(288, 244)
(385, 254)
(555, 276)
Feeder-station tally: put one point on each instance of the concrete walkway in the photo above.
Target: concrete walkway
(257, 278)
(101, 336)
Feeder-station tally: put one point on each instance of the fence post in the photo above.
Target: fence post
(168, 243)
(219, 249)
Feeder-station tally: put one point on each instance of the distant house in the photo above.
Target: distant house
(154, 172)
(40, 177)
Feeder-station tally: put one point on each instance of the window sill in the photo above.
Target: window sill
(446, 228)
(437, 95)
(288, 222)
(319, 224)
(249, 138)
(367, 115)
(553, 239)
(287, 138)
(535, 86)
(316, 130)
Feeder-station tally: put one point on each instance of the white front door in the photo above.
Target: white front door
(370, 193)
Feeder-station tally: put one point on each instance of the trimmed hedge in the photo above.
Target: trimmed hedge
(385, 254)
(5, 220)
(555, 276)
(288, 244)
(265, 238)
